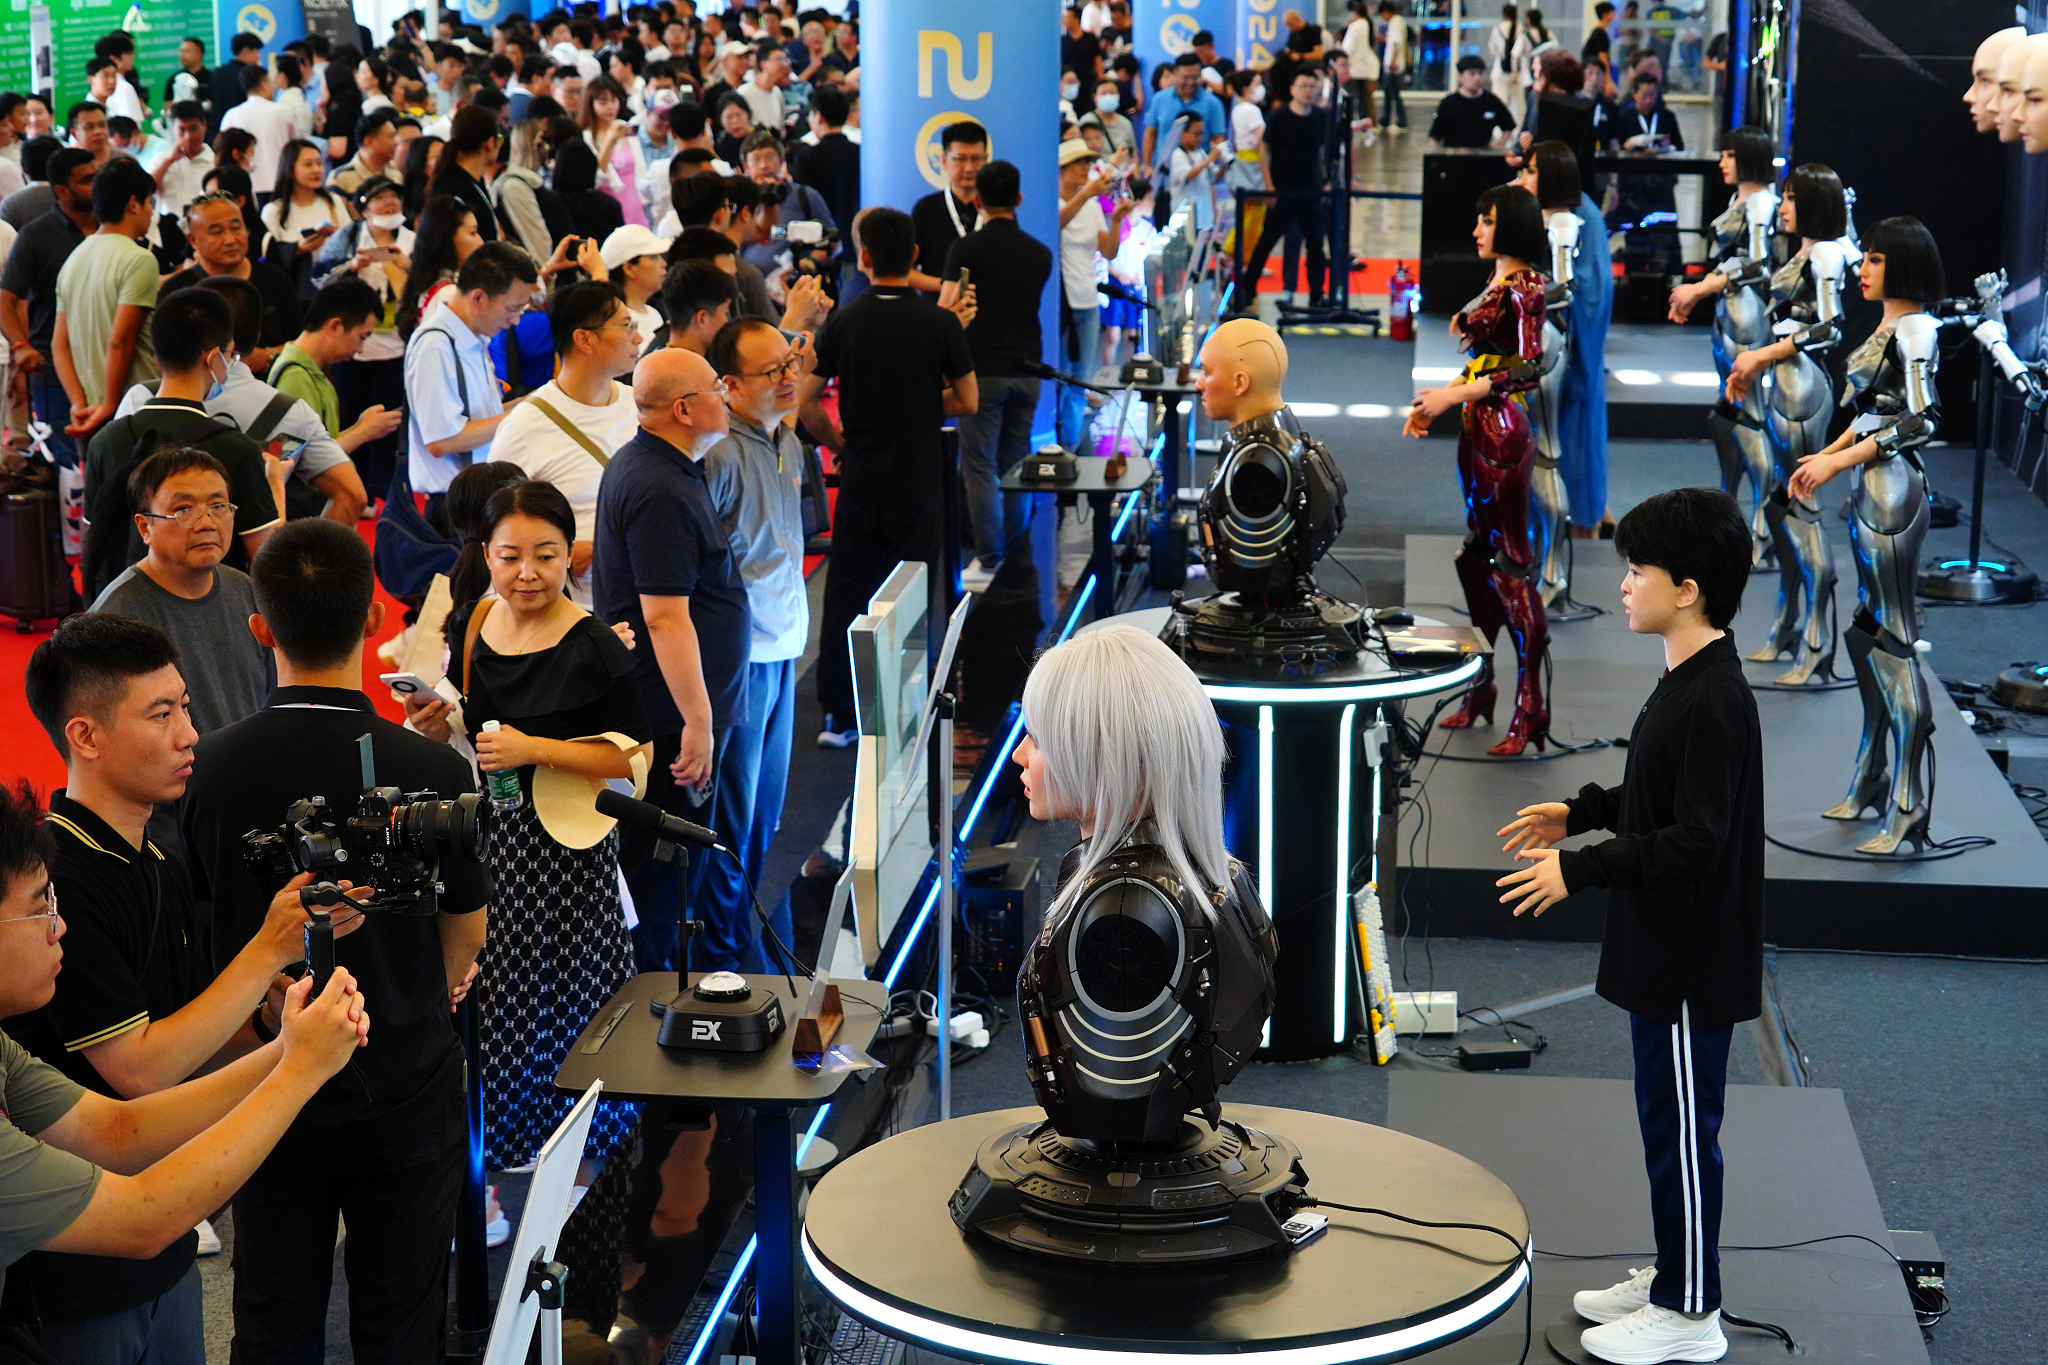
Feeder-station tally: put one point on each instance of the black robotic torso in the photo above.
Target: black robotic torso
(1274, 506)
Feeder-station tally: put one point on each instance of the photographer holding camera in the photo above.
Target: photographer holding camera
(140, 1009)
(381, 1145)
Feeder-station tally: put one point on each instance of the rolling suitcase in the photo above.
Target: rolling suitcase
(35, 582)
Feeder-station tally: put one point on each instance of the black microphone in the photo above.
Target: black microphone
(647, 815)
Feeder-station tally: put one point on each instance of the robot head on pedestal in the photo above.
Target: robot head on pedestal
(1276, 502)
(1982, 96)
(2006, 105)
(1151, 982)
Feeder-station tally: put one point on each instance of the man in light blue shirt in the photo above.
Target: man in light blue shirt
(452, 399)
(755, 478)
(1166, 106)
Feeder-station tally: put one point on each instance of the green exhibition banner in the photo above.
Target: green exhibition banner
(74, 26)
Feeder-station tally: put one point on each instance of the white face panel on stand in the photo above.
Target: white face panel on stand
(540, 1231)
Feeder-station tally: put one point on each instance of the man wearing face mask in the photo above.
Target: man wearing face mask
(193, 331)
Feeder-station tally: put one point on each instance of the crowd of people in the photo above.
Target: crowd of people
(550, 330)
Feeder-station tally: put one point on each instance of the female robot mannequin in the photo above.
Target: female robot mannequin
(1891, 382)
(1149, 790)
(1806, 292)
(1569, 488)
(1502, 329)
(1743, 234)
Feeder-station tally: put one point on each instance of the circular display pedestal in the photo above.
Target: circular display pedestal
(880, 1240)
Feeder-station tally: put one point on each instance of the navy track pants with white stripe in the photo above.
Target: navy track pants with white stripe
(1681, 1089)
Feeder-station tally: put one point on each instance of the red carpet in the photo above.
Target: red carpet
(25, 751)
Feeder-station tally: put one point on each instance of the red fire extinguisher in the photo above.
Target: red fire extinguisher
(1402, 294)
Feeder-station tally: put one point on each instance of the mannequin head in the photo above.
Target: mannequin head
(2033, 106)
(1982, 96)
(1901, 263)
(1087, 756)
(1747, 156)
(1812, 206)
(1244, 368)
(2012, 69)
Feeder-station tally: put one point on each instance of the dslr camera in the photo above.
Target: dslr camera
(394, 843)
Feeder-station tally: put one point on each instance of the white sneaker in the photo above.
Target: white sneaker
(1651, 1335)
(1605, 1305)
(978, 575)
(209, 1240)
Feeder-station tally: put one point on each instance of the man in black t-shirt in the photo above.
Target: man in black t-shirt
(1471, 115)
(382, 1143)
(903, 367)
(1080, 50)
(220, 239)
(28, 292)
(1008, 269)
(943, 218)
(137, 1008)
(1292, 158)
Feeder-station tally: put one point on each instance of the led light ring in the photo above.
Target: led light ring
(1414, 685)
(949, 1335)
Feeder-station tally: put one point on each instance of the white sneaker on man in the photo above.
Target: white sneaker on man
(1651, 1335)
(209, 1240)
(978, 575)
(1618, 1301)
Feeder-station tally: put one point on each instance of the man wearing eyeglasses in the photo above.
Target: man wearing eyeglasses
(181, 587)
(755, 477)
(138, 1008)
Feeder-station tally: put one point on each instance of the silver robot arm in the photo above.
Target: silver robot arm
(1760, 210)
(1830, 269)
(1564, 231)
(1990, 334)
(1915, 338)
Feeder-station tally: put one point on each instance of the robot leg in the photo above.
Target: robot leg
(1549, 510)
(1777, 512)
(1754, 442)
(1522, 601)
(1871, 781)
(1904, 688)
(1807, 533)
(1482, 603)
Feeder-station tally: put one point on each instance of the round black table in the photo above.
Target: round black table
(879, 1239)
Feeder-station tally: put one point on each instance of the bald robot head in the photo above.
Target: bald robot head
(1244, 368)
(2033, 106)
(2012, 70)
(1982, 96)
(676, 393)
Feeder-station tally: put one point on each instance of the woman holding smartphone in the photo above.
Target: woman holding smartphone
(303, 214)
(376, 249)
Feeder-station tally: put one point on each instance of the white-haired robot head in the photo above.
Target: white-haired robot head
(1148, 987)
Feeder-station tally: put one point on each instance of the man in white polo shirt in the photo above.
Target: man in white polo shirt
(453, 404)
(567, 429)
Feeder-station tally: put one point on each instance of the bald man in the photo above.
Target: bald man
(1982, 96)
(2012, 70)
(1244, 369)
(663, 563)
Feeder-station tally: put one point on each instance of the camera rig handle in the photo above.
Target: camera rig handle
(317, 899)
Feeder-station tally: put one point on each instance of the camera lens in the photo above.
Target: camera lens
(442, 829)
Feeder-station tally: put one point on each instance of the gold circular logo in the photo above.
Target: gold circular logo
(930, 155)
(257, 19)
(1177, 34)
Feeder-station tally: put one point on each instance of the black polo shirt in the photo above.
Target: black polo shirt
(1685, 871)
(659, 535)
(935, 229)
(282, 312)
(1470, 120)
(131, 954)
(1009, 270)
(239, 783)
(39, 252)
(892, 351)
(1294, 145)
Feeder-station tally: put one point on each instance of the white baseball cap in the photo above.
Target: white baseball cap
(629, 243)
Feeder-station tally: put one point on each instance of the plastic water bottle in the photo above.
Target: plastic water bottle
(504, 783)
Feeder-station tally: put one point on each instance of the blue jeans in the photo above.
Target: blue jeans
(168, 1330)
(49, 403)
(992, 438)
(1073, 409)
(746, 809)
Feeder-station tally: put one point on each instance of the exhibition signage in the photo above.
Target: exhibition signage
(1163, 29)
(276, 22)
(74, 26)
(1258, 33)
(487, 13)
(928, 63)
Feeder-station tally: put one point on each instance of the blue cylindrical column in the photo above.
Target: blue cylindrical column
(1164, 29)
(928, 63)
(1256, 33)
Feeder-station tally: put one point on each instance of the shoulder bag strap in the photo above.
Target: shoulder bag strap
(469, 637)
(455, 355)
(554, 415)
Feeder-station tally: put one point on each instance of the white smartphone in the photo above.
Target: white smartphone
(407, 683)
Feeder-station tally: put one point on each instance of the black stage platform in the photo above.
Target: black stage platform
(1660, 378)
(1990, 901)
(1570, 1150)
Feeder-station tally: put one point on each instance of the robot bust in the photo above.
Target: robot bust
(1274, 506)
(1147, 990)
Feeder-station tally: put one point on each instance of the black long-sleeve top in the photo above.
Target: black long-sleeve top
(1685, 871)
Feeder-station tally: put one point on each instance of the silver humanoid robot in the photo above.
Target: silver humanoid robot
(1742, 322)
(1549, 503)
(1806, 294)
(1891, 379)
